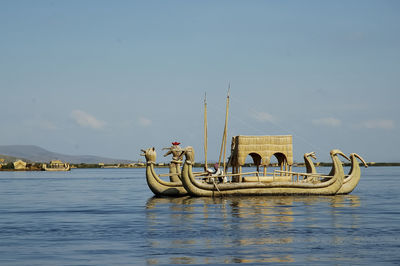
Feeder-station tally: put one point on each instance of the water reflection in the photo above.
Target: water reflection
(343, 201)
(243, 229)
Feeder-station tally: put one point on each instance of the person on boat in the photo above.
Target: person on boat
(175, 150)
(217, 173)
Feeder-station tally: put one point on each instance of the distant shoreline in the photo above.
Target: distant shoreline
(200, 165)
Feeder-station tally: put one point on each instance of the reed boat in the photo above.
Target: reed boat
(240, 187)
(158, 186)
(56, 165)
(261, 149)
(351, 180)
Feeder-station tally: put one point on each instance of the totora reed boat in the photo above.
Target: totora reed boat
(183, 181)
(253, 183)
(56, 165)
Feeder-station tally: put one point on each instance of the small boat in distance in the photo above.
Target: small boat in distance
(56, 165)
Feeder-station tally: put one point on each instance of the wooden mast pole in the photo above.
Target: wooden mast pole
(226, 125)
(224, 136)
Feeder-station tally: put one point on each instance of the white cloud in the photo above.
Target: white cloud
(328, 121)
(264, 117)
(382, 124)
(87, 120)
(145, 122)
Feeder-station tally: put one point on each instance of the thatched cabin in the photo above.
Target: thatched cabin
(261, 149)
(19, 165)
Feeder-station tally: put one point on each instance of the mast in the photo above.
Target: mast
(224, 136)
(205, 131)
(226, 125)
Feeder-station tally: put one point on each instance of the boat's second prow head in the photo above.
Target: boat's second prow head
(150, 154)
(189, 154)
(355, 155)
(335, 152)
(310, 154)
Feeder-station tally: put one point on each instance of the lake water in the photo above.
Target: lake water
(109, 217)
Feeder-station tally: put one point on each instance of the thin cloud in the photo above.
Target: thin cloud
(380, 124)
(144, 122)
(264, 117)
(87, 120)
(327, 121)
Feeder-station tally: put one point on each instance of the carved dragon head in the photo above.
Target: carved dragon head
(355, 155)
(310, 154)
(189, 153)
(335, 152)
(150, 154)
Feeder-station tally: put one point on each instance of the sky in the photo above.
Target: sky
(109, 78)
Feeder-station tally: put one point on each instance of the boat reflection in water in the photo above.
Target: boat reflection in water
(205, 230)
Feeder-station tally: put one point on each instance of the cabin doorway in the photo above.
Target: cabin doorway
(279, 163)
(253, 160)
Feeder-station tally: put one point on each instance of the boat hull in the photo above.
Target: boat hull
(163, 188)
(200, 189)
(67, 168)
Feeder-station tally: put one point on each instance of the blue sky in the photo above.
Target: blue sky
(111, 77)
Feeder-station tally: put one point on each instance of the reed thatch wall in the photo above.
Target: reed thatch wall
(261, 149)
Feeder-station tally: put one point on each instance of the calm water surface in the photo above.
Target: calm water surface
(109, 217)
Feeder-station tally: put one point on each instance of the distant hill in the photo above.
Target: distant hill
(10, 159)
(37, 154)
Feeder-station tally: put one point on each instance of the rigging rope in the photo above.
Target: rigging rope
(278, 125)
(255, 112)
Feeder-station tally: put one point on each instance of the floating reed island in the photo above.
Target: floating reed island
(217, 182)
